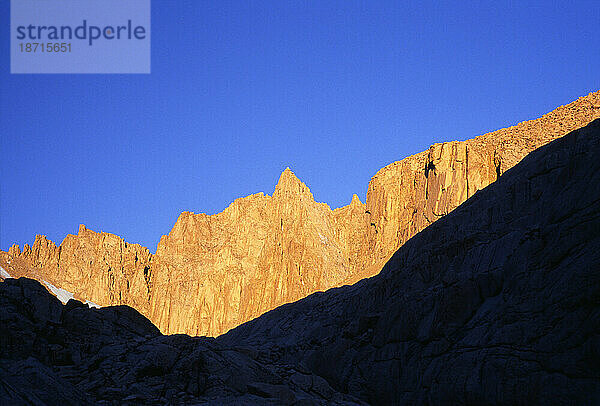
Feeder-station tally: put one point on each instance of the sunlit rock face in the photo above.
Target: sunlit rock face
(494, 303)
(405, 197)
(90, 265)
(216, 272)
(212, 273)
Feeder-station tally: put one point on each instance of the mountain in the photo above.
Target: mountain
(212, 273)
(497, 302)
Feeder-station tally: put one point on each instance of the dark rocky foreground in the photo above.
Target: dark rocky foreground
(496, 303)
(73, 355)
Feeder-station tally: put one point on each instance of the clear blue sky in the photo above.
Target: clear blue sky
(240, 90)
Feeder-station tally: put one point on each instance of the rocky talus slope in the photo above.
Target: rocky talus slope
(212, 273)
(496, 303)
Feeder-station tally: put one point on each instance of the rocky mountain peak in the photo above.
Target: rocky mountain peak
(355, 201)
(214, 272)
(289, 184)
(14, 250)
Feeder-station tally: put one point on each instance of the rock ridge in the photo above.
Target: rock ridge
(214, 272)
(495, 303)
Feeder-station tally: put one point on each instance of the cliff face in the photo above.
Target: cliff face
(90, 265)
(406, 196)
(212, 273)
(495, 303)
(215, 272)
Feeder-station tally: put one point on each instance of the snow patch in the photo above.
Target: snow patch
(92, 304)
(4, 274)
(62, 295)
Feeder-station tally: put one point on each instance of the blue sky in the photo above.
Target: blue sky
(240, 90)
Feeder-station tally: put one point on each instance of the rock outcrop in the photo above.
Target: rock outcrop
(495, 303)
(215, 272)
(212, 273)
(100, 267)
(405, 197)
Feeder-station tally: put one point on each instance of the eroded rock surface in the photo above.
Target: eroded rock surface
(498, 302)
(215, 272)
(495, 303)
(405, 197)
(212, 273)
(94, 265)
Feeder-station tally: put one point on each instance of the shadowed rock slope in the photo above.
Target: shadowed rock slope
(212, 273)
(73, 355)
(496, 303)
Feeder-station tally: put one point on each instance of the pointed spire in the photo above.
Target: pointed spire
(290, 184)
(288, 176)
(42, 242)
(14, 250)
(355, 201)
(82, 229)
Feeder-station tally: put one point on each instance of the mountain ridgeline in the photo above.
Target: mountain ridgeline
(496, 303)
(212, 273)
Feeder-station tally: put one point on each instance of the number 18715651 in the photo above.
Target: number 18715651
(45, 47)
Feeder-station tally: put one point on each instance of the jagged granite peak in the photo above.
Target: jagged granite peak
(213, 272)
(290, 184)
(94, 265)
(14, 250)
(217, 271)
(495, 303)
